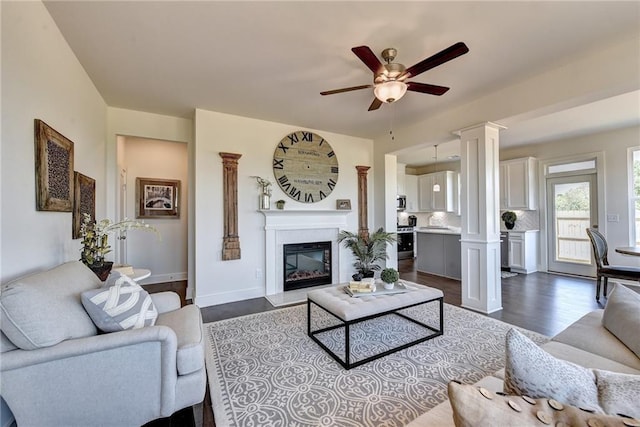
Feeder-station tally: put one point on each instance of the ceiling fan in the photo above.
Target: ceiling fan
(389, 80)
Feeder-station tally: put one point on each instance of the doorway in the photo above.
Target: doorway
(572, 207)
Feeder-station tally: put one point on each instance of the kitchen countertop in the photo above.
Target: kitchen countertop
(437, 230)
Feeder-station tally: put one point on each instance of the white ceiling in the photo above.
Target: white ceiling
(270, 60)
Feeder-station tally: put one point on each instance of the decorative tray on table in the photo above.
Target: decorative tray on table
(356, 289)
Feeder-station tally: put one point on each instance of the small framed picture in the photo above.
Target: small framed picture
(54, 169)
(343, 204)
(157, 198)
(84, 201)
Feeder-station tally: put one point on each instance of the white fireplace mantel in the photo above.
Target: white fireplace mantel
(300, 226)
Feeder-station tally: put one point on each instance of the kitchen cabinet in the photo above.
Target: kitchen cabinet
(400, 179)
(411, 191)
(523, 251)
(518, 184)
(445, 200)
(439, 254)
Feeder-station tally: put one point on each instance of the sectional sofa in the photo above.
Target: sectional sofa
(587, 343)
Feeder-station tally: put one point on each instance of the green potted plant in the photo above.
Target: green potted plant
(280, 204)
(95, 241)
(509, 218)
(389, 276)
(368, 250)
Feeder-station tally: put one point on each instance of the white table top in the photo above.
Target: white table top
(140, 273)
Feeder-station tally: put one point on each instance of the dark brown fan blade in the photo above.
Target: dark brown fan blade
(346, 89)
(375, 104)
(367, 56)
(427, 88)
(439, 58)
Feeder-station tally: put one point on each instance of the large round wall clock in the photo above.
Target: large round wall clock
(305, 167)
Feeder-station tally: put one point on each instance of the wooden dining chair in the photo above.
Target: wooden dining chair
(603, 268)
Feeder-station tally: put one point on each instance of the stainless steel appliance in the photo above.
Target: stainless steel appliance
(413, 220)
(405, 242)
(401, 202)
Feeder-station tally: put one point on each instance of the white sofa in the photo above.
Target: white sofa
(585, 342)
(57, 369)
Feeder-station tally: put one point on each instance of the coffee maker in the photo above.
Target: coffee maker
(413, 220)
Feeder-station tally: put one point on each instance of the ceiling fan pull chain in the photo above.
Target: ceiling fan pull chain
(393, 109)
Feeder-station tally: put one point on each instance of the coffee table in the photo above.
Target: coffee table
(352, 310)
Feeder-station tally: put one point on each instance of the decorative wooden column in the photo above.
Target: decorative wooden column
(363, 205)
(479, 166)
(230, 241)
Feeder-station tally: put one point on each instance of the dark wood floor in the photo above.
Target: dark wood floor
(541, 302)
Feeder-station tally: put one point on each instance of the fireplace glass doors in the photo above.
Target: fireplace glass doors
(306, 264)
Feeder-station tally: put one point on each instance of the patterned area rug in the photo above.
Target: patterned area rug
(265, 371)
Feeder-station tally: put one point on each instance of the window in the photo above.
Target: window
(634, 178)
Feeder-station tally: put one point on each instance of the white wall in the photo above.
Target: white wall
(220, 281)
(167, 257)
(41, 78)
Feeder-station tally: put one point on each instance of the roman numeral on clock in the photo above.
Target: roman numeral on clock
(283, 148)
(334, 169)
(331, 154)
(308, 198)
(331, 184)
(293, 138)
(322, 195)
(307, 136)
(278, 163)
(284, 182)
(295, 193)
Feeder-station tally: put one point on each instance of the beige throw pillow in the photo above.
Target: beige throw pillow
(478, 407)
(621, 316)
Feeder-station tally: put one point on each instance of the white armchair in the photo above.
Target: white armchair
(56, 369)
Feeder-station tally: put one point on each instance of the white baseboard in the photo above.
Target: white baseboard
(225, 297)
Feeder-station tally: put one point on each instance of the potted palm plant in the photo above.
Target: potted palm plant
(368, 250)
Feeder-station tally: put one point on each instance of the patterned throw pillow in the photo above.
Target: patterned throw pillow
(533, 372)
(619, 393)
(124, 305)
(478, 407)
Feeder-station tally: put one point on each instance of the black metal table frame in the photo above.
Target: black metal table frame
(347, 364)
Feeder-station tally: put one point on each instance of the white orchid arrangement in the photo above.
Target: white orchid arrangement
(95, 236)
(264, 184)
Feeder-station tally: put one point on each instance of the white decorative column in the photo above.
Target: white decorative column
(480, 240)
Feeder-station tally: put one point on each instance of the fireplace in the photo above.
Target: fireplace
(306, 264)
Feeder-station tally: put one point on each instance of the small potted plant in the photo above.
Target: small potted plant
(95, 241)
(509, 218)
(389, 276)
(280, 204)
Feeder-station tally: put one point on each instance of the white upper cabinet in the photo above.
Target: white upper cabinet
(518, 184)
(401, 180)
(411, 191)
(445, 200)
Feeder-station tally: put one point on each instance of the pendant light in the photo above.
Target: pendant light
(436, 186)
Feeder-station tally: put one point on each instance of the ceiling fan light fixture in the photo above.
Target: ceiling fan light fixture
(390, 91)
